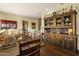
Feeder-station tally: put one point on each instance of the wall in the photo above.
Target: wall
(59, 8)
(30, 20)
(7, 16)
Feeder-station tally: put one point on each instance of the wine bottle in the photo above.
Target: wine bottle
(52, 13)
(71, 8)
(63, 10)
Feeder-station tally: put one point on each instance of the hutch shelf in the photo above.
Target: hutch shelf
(62, 30)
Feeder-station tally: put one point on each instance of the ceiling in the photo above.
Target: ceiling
(26, 9)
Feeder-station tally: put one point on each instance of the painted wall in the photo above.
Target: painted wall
(59, 8)
(19, 19)
(30, 20)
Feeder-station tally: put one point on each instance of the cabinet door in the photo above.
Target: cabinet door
(69, 43)
(25, 24)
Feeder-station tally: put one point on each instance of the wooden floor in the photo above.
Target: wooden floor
(49, 50)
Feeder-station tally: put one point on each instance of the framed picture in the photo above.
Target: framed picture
(8, 24)
(33, 25)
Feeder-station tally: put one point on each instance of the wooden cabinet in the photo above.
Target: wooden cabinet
(30, 48)
(62, 28)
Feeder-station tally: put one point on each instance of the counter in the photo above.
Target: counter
(13, 51)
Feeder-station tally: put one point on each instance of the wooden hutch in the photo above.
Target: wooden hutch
(61, 29)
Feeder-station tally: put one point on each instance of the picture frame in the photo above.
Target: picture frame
(33, 25)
